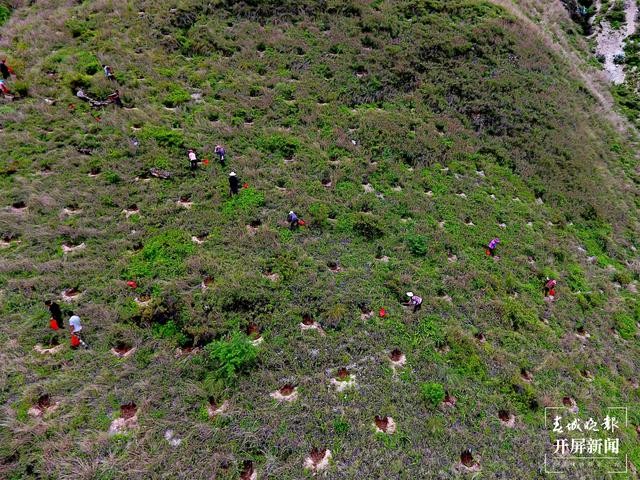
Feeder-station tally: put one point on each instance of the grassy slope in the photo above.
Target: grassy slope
(418, 86)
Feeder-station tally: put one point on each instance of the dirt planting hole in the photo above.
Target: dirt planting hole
(287, 390)
(71, 292)
(128, 410)
(19, 205)
(247, 472)
(382, 423)
(526, 375)
(44, 402)
(395, 355)
(317, 455)
(480, 337)
(343, 374)
(333, 266)
(307, 319)
(122, 348)
(253, 330)
(466, 457)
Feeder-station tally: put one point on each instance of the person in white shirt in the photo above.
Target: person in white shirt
(193, 160)
(75, 327)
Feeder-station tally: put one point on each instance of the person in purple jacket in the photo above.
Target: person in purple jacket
(491, 250)
(414, 301)
(219, 150)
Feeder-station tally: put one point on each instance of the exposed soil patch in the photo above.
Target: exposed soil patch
(70, 294)
(586, 374)
(317, 460)
(71, 210)
(397, 358)
(43, 405)
(326, 183)
(186, 351)
(480, 337)
(526, 375)
(254, 332)
(507, 418)
(384, 425)
(344, 379)
(274, 277)
(54, 347)
(128, 410)
(199, 239)
(170, 437)
(366, 315)
(18, 206)
(308, 323)
(449, 401)
(70, 248)
(214, 409)
(610, 42)
(122, 350)
(128, 419)
(582, 334)
(333, 266)
(185, 201)
(570, 404)
(207, 281)
(131, 210)
(288, 393)
(467, 462)
(142, 300)
(248, 472)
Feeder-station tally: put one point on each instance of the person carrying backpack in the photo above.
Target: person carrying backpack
(414, 301)
(75, 327)
(219, 150)
(56, 315)
(234, 184)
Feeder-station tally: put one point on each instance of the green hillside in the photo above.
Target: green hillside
(407, 134)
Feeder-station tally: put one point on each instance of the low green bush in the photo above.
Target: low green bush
(231, 358)
(432, 393)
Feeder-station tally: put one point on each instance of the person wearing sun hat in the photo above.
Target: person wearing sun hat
(293, 220)
(234, 184)
(414, 301)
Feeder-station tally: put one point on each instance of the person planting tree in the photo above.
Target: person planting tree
(414, 301)
(234, 184)
(56, 315)
(75, 327)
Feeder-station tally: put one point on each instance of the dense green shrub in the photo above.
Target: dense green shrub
(418, 245)
(175, 96)
(367, 226)
(278, 144)
(164, 136)
(245, 202)
(230, 358)
(625, 325)
(170, 331)
(432, 393)
(5, 13)
(162, 256)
